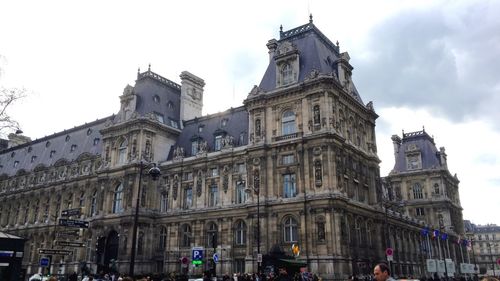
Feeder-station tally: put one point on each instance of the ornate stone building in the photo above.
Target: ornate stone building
(422, 185)
(486, 246)
(303, 144)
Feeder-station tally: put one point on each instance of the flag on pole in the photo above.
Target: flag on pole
(444, 236)
(425, 231)
(435, 233)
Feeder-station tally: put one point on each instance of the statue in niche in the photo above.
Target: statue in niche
(257, 128)
(175, 187)
(316, 115)
(225, 183)
(147, 149)
(134, 150)
(198, 184)
(256, 179)
(318, 176)
(227, 141)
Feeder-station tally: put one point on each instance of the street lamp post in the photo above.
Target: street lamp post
(256, 190)
(155, 173)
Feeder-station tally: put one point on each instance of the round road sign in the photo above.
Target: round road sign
(389, 251)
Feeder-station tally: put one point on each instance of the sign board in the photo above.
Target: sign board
(450, 267)
(70, 244)
(259, 257)
(216, 257)
(73, 234)
(197, 255)
(440, 266)
(54, 252)
(74, 223)
(71, 212)
(44, 262)
(431, 265)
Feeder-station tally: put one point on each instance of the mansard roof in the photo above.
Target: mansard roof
(417, 142)
(157, 94)
(207, 127)
(66, 145)
(316, 53)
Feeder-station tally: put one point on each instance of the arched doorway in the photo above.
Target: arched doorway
(111, 253)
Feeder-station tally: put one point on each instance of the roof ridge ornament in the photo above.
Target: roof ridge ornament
(310, 18)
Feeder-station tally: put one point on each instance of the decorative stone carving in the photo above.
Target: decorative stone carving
(256, 179)
(202, 147)
(227, 141)
(255, 91)
(199, 183)
(178, 153)
(175, 187)
(318, 174)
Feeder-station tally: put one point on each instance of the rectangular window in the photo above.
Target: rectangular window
(213, 196)
(188, 176)
(218, 143)
(188, 198)
(241, 195)
(194, 147)
(288, 159)
(289, 188)
(163, 202)
(241, 168)
(419, 212)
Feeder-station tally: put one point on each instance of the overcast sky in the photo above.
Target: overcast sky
(423, 63)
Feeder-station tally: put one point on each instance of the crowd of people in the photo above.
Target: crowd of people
(381, 272)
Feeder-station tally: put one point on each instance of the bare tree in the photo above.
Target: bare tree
(8, 96)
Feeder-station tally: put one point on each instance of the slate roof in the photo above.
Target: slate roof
(428, 151)
(237, 124)
(150, 84)
(68, 144)
(316, 52)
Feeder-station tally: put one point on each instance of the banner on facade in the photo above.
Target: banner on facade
(440, 266)
(431, 265)
(450, 266)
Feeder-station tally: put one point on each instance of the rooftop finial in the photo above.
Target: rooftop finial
(423, 128)
(403, 132)
(337, 43)
(310, 18)
(281, 28)
(149, 67)
(138, 70)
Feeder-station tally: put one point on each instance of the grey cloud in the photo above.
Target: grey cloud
(446, 59)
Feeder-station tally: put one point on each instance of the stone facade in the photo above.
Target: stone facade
(300, 156)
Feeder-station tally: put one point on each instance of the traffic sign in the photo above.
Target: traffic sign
(259, 257)
(74, 223)
(70, 244)
(184, 260)
(216, 257)
(44, 262)
(197, 255)
(54, 252)
(71, 212)
(389, 251)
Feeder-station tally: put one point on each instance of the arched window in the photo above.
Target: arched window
(122, 152)
(240, 233)
(163, 201)
(163, 238)
(369, 234)
(212, 235)
(288, 123)
(185, 235)
(93, 204)
(118, 199)
(417, 191)
(286, 73)
(290, 230)
(26, 213)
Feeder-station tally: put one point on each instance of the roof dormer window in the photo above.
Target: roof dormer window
(286, 74)
(156, 99)
(67, 138)
(33, 158)
(73, 147)
(89, 131)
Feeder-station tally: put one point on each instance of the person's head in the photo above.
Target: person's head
(381, 272)
(52, 278)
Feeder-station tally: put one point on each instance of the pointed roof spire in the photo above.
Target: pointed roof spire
(310, 18)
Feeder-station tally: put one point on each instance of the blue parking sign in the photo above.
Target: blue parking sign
(44, 262)
(197, 255)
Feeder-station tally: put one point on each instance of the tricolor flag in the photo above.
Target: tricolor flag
(435, 233)
(444, 236)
